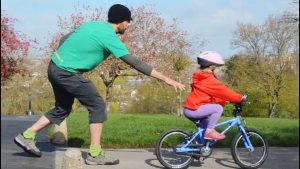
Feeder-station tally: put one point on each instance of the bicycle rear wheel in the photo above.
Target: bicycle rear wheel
(166, 149)
(245, 158)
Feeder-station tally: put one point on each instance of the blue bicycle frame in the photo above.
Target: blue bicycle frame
(198, 136)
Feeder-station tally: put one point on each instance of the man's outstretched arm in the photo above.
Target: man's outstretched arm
(150, 71)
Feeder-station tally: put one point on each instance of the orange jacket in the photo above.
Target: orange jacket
(207, 89)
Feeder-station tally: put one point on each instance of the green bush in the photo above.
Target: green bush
(154, 98)
(15, 96)
(228, 109)
(114, 107)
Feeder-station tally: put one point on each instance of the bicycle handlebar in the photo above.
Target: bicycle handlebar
(238, 106)
(244, 98)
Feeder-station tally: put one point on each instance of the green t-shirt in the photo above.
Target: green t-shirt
(88, 46)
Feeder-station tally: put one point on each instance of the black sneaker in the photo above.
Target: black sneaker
(28, 145)
(102, 159)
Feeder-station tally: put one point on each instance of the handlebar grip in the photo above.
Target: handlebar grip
(244, 99)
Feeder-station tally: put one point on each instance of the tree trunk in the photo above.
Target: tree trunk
(179, 109)
(108, 97)
(271, 112)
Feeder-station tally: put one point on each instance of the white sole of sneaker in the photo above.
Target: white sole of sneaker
(93, 163)
(20, 144)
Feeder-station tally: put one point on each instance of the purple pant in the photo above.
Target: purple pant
(214, 111)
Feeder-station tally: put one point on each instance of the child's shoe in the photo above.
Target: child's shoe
(212, 134)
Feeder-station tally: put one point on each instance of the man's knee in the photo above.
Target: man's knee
(98, 114)
(58, 114)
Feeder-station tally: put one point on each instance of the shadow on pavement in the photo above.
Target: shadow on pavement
(224, 162)
(150, 163)
(24, 154)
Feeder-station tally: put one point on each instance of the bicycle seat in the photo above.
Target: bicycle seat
(195, 121)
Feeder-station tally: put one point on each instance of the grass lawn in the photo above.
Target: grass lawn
(142, 131)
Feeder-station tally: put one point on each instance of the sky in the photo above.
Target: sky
(211, 20)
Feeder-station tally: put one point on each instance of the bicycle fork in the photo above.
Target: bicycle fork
(246, 139)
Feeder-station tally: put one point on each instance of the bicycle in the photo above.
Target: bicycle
(177, 148)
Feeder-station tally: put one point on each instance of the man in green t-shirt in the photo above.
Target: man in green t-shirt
(81, 51)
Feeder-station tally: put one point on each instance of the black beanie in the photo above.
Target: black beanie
(119, 13)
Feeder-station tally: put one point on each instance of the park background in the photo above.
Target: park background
(261, 52)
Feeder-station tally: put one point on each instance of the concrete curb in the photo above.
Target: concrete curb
(72, 159)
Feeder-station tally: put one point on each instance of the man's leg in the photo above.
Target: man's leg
(26, 140)
(88, 96)
(40, 124)
(63, 105)
(96, 132)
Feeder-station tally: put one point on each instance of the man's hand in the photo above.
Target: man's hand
(175, 84)
(169, 81)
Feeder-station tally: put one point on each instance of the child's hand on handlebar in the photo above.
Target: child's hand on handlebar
(244, 99)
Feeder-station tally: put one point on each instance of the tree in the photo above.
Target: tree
(180, 61)
(268, 48)
(236, 77)
(13, 49)
(293, 15)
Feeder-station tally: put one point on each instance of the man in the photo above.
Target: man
(82, 51)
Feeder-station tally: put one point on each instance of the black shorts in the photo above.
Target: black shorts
(66, 87)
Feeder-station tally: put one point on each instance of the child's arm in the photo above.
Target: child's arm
(221, 93)
(219, 101)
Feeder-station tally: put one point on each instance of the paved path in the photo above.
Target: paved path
(279, 158)
(13, 157)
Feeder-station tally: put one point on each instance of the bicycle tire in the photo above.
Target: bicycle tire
(260, 146)
(163, 148)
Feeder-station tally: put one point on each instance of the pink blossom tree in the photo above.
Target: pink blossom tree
(13, 49)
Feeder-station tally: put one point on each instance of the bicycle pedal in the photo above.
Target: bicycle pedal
(202, 158)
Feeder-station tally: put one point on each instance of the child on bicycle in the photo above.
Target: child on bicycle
(208, 95)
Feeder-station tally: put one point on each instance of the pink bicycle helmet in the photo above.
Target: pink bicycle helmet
(209, 58)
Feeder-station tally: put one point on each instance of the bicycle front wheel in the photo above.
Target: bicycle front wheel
(246, 158)
(166, 149)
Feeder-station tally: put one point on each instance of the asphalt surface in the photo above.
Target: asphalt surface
(13, 157)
